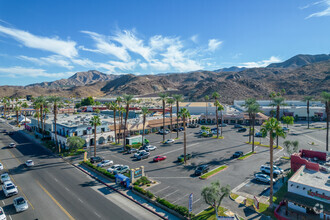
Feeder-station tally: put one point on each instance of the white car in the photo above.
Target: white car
(138, 153)
(266, 169)
(105, 163)
(114, 167)
(215, 132)
(2, 214)
(29, 163)
(1, 168)
(20, 204)
(263, 178)
(4, 177)
(150, 148)
(9, 189)
(169, 141)
(12, 145)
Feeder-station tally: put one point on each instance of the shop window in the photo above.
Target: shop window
(291, 185)
(297, 187)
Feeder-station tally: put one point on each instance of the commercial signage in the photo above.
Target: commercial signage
(320, 196)
(190, 202)
(138, 173)
(226, 218)
(256, 203)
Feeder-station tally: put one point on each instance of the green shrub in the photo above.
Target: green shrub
(180, 209)
(150, 195)
(140, 190)
(101, 170)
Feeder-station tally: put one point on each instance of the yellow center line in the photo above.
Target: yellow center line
(57, 203)
(15, 157)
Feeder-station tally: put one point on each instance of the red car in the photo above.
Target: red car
(159, 158)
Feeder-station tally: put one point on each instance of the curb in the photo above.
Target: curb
(214, 173)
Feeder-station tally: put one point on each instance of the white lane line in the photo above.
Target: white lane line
(66, 189)
(3, 202)
(241, 185)
(180, 149)
(55, 179)
(162, 189)
(170, 193)
(80, 200)
(196, 200)
(97, 214)
(163, 177)
(10, 217)
(185, 196)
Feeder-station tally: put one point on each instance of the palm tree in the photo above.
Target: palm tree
(145, 112)
(121, 112)
(25, 105)
(42, 102)
(95, 121)
(249, 102)
(253, 110)
(178, 98)
(171, 102)
(5, 104)
(274, 129)
(217, 106)
(36, 107)
(326, 99)
(307, 99)
(128, 100)
(56, 101)
(163, 97)
(206, 98)
(114, 107)
(184, 114)
(277, 100)
(216, 95)
(46, 111)
(17, 108)
(220, 108)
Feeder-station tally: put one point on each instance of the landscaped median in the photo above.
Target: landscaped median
(213, 172)
(220, 137)
(256, 143)
(246, 155)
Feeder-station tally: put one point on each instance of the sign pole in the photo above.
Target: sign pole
(190, 205)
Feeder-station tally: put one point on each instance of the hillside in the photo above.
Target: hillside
(300, 60)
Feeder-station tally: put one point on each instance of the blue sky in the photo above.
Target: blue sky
(48, 40)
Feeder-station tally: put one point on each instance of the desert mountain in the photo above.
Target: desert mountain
(310, 79)
(230, 69)
(78, 79)
(300, 60)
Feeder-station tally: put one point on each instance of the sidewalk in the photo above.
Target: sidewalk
(130, 204)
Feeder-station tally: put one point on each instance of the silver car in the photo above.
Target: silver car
(20, 204)
(4, 177)
(105, 163)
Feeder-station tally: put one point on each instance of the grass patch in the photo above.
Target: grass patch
(233, 196)
(220, 137)
(208, 214)
(263, 145)
(216, 170)
(286, 158)
(246, 155)
(142, 181)
(114, 143)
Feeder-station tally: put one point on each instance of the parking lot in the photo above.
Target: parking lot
(176, 181)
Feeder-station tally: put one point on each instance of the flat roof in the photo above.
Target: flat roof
(317, 179)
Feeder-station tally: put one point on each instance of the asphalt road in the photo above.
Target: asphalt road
(54, 188)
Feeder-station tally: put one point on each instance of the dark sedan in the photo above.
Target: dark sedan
(201, 170)
(238, 154)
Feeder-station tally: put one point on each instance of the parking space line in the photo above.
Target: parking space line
(185, 196)
(174, 177)
(180, 149)
(170, 193)
(196, 200)
(162, 189)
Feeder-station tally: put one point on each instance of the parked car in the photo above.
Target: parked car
(242, 130)
(132, 150)
(159, 158)
(262, 178)
(181, 157)
(166, 131)
(113, 168)
(4, 177)
(238, 154)
(1, 166)
(96, 159)
(285, 129)
(169, 141)
(258, 134)
(9, 189)
(29, 163)
(138, 153)
(2, 214)
(105, 163)
(12, 145)
(20, 204)
(121, 169)
(143, 155)
(201, 169)
(238, 126)
(215, 132)
(279, 169)
(149, 148)
(193, 125)
(266, 169)
(222, 125)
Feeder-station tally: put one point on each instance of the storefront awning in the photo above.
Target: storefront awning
(307, 202)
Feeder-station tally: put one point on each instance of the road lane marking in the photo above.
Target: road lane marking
(185, 196)
(170, 193)
(168, 177)
(179, 149)
(10, 217)
(57, 203)
(3, 202)
(97, 214)
(162, 189)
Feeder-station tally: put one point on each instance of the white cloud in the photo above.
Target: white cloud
(87, 63)
(123, 65)
(194, 38)
(29, 72)
(262, 63)
(143, 65)
(325, 12)
(55, 45)
(50, 60)
(159, 66)
(105, 46)
(158, 42)
(214, 44)
(132, 43)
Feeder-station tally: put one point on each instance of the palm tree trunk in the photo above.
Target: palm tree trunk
(177, 119)
(41, 116)
(184, 140)
(278, 119)
(126, 117)
(327, 110)
(121, 124)
(163, 120)
(217, 118)
(250, 119)
(144, 122)
(253, 122)
(308, 114)
(221, 123)
(95, 140)
(114, 122)
(55, 125)
(271, 169)
(17, 118)
(171, 109)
